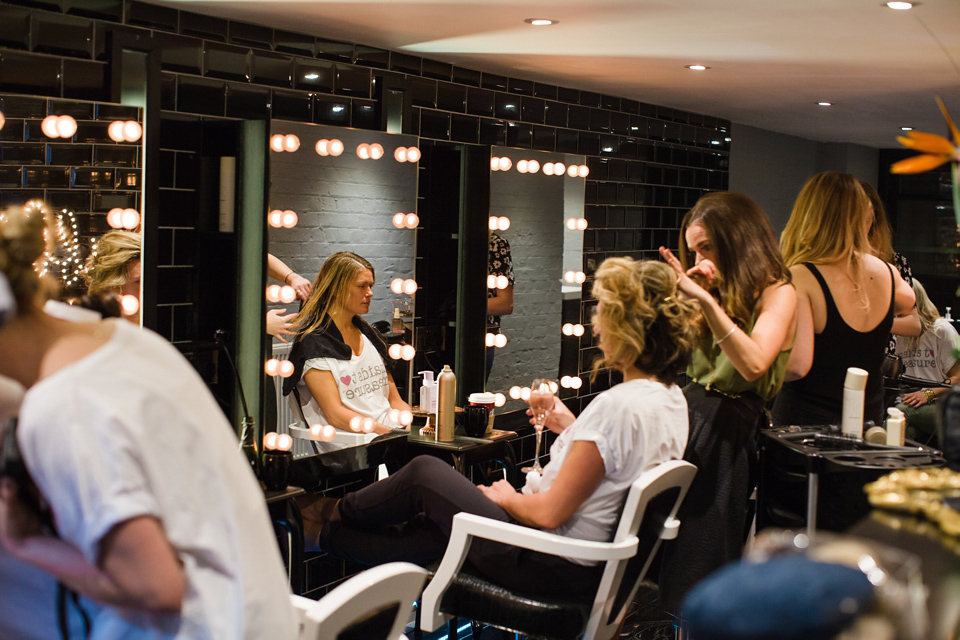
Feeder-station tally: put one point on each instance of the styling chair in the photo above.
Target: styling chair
(372, 605)
(648, 517)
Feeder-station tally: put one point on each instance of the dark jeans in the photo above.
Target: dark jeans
(408, 517)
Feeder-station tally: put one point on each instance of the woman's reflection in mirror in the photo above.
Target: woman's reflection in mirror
(114, 268)
(499, 300)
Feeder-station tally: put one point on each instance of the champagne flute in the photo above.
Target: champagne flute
(541, 401)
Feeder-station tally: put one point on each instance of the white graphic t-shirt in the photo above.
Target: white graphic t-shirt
(933, 357)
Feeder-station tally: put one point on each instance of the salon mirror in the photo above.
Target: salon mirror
(346, 188)
(541, 200)
(72, 156)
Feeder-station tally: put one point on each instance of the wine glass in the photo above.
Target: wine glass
(541, 401)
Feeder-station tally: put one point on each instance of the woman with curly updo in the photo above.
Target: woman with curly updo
(114, 267)
(645, 332)
(748, 322)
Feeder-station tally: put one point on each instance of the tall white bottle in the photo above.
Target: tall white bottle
(854, 386)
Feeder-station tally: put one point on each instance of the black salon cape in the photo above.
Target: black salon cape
(328, 343)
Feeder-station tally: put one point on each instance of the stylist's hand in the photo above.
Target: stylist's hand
(558, 416)
(301, 285)
(915, 399)
(685, 283)
(17, 522)
(498, 492)
(278, 325)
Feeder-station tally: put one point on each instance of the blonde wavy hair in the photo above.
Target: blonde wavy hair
(643, 320)
(337, 274)
(927, 311)
(879, 235)
(106, 269)
(22, 243)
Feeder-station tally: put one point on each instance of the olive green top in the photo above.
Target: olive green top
(710, 367)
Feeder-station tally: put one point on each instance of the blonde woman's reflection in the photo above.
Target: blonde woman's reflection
(114, 268)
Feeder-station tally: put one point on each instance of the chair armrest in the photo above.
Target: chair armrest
(670, 529)
(467, 526)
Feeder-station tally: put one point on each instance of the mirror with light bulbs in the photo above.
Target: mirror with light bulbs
(82, 161)
(336, 189)
(537, 206)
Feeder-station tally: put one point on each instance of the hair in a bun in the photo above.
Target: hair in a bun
(22, 242)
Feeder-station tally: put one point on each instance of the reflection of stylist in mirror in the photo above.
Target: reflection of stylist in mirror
(499, 300)
(279, 325)
(340, 369)
(114, 268)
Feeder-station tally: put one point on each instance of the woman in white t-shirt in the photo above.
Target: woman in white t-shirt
(340, 371)
(929, 357)
(646, 333)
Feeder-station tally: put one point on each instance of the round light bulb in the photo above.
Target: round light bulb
(395, 351)
(400, 155)
(355, 423)
(489, 339)
(291, 142)
(130, 219)
(49, 127)
(522, 166)
(276, 143)
(578, 330)
(525, 393)
(66, 126)
(581, 224)
(130, 305)
(321, 147)
(399, 220)
(271, 366)
(286, 368)
(284, 442)
(408, 352)
(363, 151)
(275, 218)
(410, 286)
(500, 341)
(376, 151)
(115, 130)
(567, 329)
(3, 120)
(565, 382)
(553, 386)
(579, 277)
(572, 224)
(396, 285)
(493, 222)
(572, 171)
(583, 171)
(491, 281)
(394, 415)
(494, 164)
(568, 277)
(533, 166)
(548, 169)
(115, 218)
(503, 282)
(406, 417)
(132, 131)
(575, 382)
(287, 294)
(499, 400)
(273, 293)
(558, 168)
(270, 440)
(316, 431)
(329, 432)
(366, 425)
(335, 147)
(505, 163)
(413, 154)
(411, 221)
(290, 219)
(503, 223)
(514, 392)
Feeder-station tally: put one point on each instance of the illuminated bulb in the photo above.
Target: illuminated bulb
(493, 222)
(284, 442)
(363, 151)
(525, 393)
(503, 282)
(396, 285)
(130, 219)
(285, 369)
(366, 425)
(491, 281)
(291, 142)
(522, 166)
(514, 392)
(572, 171)
(567, 329)
(565, 382)
(900, 6)
(289, 220)
(115, 218)
(548, 169)
(321, 147)
(276, 143)
(409, 286)
(130, 305)
(316, 431)
(273, 293)
(329, 432)
(66, 126)
(572, 224)
(355, 423)
(400, 155)
(115, 130)
(499, 400)
(270, 440)
(489, 339)
(376, 151)
(275, 218)
(533, 166)
(408, 352)
(399, 221)
(559, 168)
(413, 154)
(287, 294)
(394, 415)
(553, 386)
(412, 221)
(406, 417)
(395, 351)
(575, 382)
(581, 224)
(335, 147)
(500, 340)
(131, 131)
(272, 366)
(583, 171)
(505, 163)
(494, 164)
(49, 127)
(569, 276)
(579, 277)
(578, 330)
(3, 120)
(503, 223)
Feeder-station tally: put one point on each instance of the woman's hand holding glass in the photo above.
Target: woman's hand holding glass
(558, 417)
(541, 401)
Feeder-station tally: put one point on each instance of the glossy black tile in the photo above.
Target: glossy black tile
(645, 150)
(590, 192)
(615, 217)
(175, 285)
(291, 42)
(15, 28)
(532, 110)
(274, 69)
(168, 166)
(178, 53)
(588, 144)
(633, 217)
(568, 141)
(150, 15)
(69, 199)
(111, 10)
(115, 112)
(168, 91)
(329, 110)
(519, 134)
(465, 129)
(244, 101)
(493, 81)
(85, 80)
(334, 50)
(480, 102)
(195, 95)
(405, 62)
(469, 77)
(570, 96)
(30, 74)
(71, 155)
(23, 153)
(371, 57)
(507, 106)
(589, 99)
(352, 81)
(544, 138)
(93, 178)
(434, 125)
(599, 168)
(648, 110)
(451, 97)
(662, 153)
(578, 117)
(493, 131)
(629, 106)
(298, 106)
(423, 92)
(610, 102)
(226, 61)
(555, 114)
(184, 246)
(128, 179)
(522, 87)
(636, 172)
(620, 124)
(63, 35)
(313, 75)
(104, 32)
(671, 132)
(599, 120)
(165, 247)
(23, 107)
(95, 131)
(626, 194)
(629, 148)
(103, 201)
(51, 178)
(547, 91)
(177, 208)
(435, 69)
(79, 110)
(250, 34)
(365, 115)
(616, 170)
(208, 27)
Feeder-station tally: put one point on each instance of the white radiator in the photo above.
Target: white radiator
(286, 413)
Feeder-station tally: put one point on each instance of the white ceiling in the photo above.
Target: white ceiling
(771, 60)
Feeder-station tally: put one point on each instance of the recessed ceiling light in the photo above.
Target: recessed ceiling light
(825, 104)
(906, 128)
(696, 67)
(311, 76)
(541, 22)
(902, 6)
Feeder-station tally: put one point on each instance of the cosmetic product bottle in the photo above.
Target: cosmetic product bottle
(854, 387)
(446, 404)
(895, 427)
(428, 392)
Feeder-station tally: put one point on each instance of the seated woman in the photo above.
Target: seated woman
(114, 267)
(340, 362)
(645, 332)
(929, 357)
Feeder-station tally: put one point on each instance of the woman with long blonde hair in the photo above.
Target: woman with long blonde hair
(847, 296)
(748, 320)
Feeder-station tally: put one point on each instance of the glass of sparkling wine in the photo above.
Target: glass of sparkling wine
(541, 401)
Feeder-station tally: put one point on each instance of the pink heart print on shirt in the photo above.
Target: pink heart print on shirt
(345, 380)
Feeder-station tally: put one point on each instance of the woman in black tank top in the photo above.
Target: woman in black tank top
(828, 228)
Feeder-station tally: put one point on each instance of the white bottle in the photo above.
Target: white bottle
(854, 385)
(895, 424)
(428, 392)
